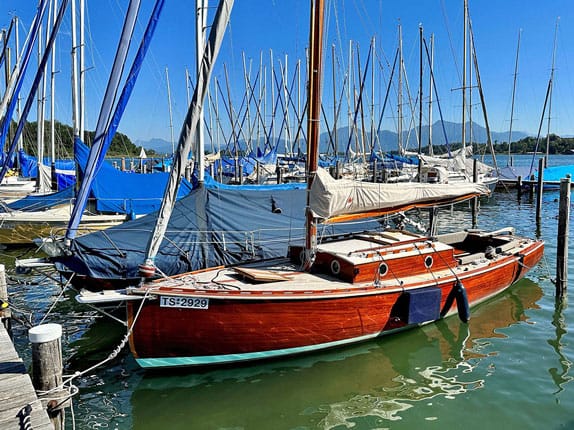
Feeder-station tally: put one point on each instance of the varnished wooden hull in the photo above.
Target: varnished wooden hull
(235, 329)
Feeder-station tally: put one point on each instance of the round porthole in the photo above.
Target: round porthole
(383, 269)
(428, 262)
(335, 267)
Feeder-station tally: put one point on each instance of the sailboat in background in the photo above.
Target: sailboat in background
(106, 195)
(459, 165)
(322, 295)
(551, 175)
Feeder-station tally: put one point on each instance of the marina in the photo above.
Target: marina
(515, 351)
(290, 262)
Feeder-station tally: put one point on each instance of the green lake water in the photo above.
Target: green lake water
(510, 367)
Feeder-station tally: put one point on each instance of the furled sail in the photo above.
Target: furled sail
(14, 85)
(190, 125)
(9, 102)
(107, 126)
(334, 200)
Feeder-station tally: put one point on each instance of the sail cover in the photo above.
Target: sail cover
(331, 197)
(107, 122)
(214, 225)
(126, 192)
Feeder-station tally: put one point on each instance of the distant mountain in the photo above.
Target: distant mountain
(388, 139)
(453, 131)
(158, 145)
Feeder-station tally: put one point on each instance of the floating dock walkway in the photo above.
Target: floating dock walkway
(20, 407)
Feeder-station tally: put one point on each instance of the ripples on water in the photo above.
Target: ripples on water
(511, 365)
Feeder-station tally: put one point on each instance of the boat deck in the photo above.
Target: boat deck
(284, 278)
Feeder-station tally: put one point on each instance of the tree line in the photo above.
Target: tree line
(64, 140)
(527, 145)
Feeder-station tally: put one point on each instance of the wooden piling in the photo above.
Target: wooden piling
(19, 404)
(5, 312)
(236, 173)
(539, 190)
(519, 187)
(474, 200)
(433, 221)
(47, 369)
(562, 239)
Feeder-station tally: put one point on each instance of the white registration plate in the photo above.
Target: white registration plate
(183, 302)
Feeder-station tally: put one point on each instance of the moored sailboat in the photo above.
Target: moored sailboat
(349, 289)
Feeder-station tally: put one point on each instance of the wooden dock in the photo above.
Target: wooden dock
(19, 406)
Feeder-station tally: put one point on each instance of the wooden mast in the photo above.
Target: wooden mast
(313, 119)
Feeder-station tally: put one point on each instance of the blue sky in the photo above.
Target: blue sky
(282, 26)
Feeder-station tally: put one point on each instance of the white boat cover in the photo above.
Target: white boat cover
(333, 197)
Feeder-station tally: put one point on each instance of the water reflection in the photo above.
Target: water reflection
(366, 386)
(560, 376)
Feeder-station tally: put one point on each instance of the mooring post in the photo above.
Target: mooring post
(539, 190)
(47, 370)
(433, 221)
(474, 200)
(5, 312)
(519, 187)
(375, 173)
(562, 240)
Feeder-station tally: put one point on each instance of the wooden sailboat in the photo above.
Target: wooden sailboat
(350, 289)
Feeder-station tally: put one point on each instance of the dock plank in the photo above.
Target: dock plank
(17, 391)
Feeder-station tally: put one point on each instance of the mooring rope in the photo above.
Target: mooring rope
(73, 390)
(64, 287)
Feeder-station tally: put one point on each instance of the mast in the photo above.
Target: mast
(420, 89)
(512, 104)
(54, 182)
(313, 119)
(464, 77)
(18, 100)
(40, 106)
(201, 11)
(372, 140)
(336, 146)
(400, 95)
(170, 113)
(550, 85)
(82, 98)
(431, 83)
(74, 74)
